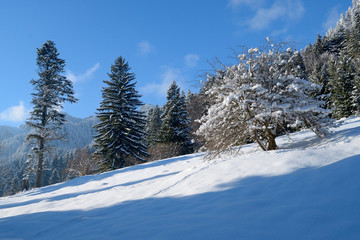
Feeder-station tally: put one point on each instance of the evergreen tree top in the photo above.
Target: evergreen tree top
(48, 58)
(120, 89)
(173, 92)
(121, 68)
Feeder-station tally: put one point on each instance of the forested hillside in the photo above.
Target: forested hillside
(14, 152)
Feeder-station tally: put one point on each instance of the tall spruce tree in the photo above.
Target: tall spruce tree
(175, 121)
(121, 128)
(153, 125)
(52, 90)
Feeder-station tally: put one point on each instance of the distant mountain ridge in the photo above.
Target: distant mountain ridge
(79, 133)
(8, 132)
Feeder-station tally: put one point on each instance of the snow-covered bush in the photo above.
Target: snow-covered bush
(259, 98)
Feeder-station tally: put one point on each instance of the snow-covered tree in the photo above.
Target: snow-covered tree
(52, 90)
(348, 24)
(344, 87)
(175, 122)
(260, 98)
(15, 186)
(153, 125)
(333, 62)
(55, 177)
(352, 45)
(121, 131)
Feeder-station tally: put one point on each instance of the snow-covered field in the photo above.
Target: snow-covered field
(308, 189)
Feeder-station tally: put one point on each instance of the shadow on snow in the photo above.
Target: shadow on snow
(310, 203)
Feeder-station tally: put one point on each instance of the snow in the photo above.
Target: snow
(308, 189)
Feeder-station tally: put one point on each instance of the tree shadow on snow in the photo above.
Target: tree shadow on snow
(74, 195)
(99, 177)
(310, 203)
(312, 141)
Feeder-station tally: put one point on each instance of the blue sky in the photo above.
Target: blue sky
(162, 41)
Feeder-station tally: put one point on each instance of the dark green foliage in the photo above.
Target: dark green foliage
(318, 46)
(317, 70)
(15, 186)
(55, 177)
(153, 125)
(333, 44)
(175, 122)
(196, 108)
(352, 44)
(342, 85)
(121, 128)
(333, 62)
(51, 90)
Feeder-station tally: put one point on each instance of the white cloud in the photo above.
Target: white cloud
(191, 60)
(15, 113)
(333, 17)
(144, 48)
(82, 77)
(264, 17)
(167, 77)
(286, 9)
(266, 12)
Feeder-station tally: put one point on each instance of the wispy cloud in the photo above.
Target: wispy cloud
(82, 77)
(15, 113)
(332, 18)
(265, 14)
(191, 60)
(287, 9)
(167, 77)
(144, 48)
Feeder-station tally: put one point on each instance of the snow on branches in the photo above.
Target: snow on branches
(261, 97)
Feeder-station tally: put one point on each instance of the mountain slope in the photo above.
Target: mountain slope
(79, 133)
(309, 189)
(14, 151)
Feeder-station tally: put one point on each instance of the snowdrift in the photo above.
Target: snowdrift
(308, 189)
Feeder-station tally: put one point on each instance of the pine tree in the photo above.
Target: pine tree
(121, 128)
(196, 108)
(334, 39)
(175, 122)
(153, 125)
(59, 163)
(318, 46)
(351, 45)
(15, 186)
(343, 87)
(52, 90)
(355, 96)
(55, 177)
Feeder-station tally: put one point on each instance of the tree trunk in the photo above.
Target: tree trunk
(271, 136)
(271, 141)
(258, 141)
(40, 164)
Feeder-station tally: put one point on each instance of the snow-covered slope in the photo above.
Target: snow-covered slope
(309, 189)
